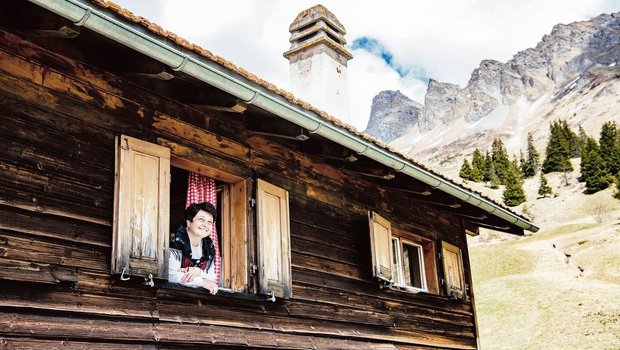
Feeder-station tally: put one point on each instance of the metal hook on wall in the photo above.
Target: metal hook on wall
(272, 297)
(126, 147)
(149, 281)
(123, 278)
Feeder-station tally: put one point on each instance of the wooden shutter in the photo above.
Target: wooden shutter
(273, 241)
(380, 246)
(142, 208)
(453, 269)
(236, 258)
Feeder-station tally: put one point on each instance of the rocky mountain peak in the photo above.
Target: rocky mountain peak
(573, 73)
(391, 114)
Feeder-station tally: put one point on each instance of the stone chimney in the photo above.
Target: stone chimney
(318, 61)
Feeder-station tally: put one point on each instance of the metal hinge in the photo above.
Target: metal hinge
(253, 269)
(252, 202)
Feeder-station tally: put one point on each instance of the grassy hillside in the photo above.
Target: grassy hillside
(558, 288)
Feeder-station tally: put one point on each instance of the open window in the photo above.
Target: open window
(231, 201)
(414, 263)
(150, 197)
(412, 266)
(453, 270)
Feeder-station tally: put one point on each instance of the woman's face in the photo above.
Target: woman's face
(202, 225)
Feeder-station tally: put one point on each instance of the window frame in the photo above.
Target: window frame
(397, 268)
(428, 264)
(421, 269)
(233, 247)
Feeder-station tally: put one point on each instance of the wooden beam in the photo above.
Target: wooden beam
(46, 298)
(504, 228)
(291, 336)
(373, 170)
(17, 270)
(47, 344)
(61, 32)
(150, 69)
(21, 247)
(470, 229)
(64, 226)
(238, 107)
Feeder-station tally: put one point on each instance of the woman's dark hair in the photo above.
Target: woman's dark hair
(193, 209)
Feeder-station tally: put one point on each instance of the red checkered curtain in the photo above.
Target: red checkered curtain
(202, 189)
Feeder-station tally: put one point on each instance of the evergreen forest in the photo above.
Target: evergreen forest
(600, 162)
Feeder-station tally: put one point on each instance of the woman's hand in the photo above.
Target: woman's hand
(189, 273)
(209, 285)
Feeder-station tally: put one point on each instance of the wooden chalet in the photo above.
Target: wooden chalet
(329, 239)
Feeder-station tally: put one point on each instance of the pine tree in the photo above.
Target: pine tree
(558, 151)
(544, 189)
(486, 177)
(532, 162)
(589, 147)
(513, 193)
(583, 138)
(493, 178)
(593, 170)
(499, 158)
(478, 166)
(571, 138)
(616, 194)
(465, 172)
(610, 147)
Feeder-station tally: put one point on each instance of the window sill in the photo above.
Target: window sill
(409, 289)
(223, 292)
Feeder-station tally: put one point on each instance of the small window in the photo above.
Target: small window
(402, 259)
(413, 266)
(414, 263)
(453, 270)
(408, 265)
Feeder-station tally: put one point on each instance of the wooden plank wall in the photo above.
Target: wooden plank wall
(58, 122)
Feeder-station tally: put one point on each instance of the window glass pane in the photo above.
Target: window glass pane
(412, 266)
(396, 261)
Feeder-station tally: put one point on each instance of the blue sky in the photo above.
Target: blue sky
(376, 48)
(397, 45)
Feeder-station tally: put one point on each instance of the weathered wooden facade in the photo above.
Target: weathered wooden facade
(80, 80)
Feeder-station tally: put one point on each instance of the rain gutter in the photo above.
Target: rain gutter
(135, 36)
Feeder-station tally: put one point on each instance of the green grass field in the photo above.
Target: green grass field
(531, 295)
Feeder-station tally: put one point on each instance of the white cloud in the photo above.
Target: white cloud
(447, 39)
(368, 75)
